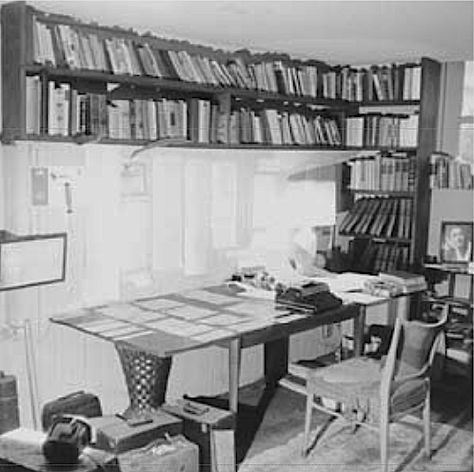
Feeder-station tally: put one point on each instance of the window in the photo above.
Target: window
(457, 110)
(466, 120)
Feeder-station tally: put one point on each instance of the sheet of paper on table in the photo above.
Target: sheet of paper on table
(103, 326)
(208, 297)
(177, 327)
(256, 309)
(345, 282)
(123, 311)
(223, 320)
(360, 298)
(189, 312)
(213, 335)
(158, 303)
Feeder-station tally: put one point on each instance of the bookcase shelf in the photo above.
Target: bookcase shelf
(402, 241)
(179, 144)
(362, 149)
(390, 193)
(48, 59)
(64, 80)
(160, 84)
(389, 103)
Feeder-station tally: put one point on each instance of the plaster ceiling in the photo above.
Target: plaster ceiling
(338, 32)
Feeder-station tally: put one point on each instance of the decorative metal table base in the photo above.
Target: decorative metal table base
(146, 376)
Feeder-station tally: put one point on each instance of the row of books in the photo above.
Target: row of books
(197, 120)
(407, 281)
(275, 127)
(380, 216)
(387, 257)
(376, 130)
(394, 82)
(61, 45)
(374, 257)
(448, 172)
(383, 172)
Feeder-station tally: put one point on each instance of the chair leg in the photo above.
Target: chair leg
(307, 424)
(427, 424)
(384, 425)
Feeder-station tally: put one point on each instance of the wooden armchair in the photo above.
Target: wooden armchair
(373, 392)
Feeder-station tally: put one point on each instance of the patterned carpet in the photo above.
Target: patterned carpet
(340, 450)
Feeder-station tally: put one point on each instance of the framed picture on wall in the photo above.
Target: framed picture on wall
(456, 242)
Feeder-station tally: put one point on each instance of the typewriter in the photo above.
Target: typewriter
(314, 297)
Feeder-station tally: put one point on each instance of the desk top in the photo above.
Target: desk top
(178, 322)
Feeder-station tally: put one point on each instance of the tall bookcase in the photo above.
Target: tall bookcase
(65, 80)
(389, 221)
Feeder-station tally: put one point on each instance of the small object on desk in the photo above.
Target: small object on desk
(408, 281)
(139, 421)
(194, 408)
(314, 297)
(382, 288)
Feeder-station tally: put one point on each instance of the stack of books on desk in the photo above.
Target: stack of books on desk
(407, 281)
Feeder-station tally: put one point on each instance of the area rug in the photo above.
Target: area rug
(340, 450)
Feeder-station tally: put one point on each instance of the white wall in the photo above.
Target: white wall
(114, 241)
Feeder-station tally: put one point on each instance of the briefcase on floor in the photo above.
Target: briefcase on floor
(200, 422)
(116, 434)
(76, 403)
(175, 454)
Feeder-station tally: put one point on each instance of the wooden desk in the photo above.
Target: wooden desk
(193, 319)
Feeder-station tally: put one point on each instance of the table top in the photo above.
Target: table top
(178, 322)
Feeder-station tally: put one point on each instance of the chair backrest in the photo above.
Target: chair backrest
(412, 350)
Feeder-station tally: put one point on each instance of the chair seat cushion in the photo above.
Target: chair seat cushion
(352, 371)
(355, 383)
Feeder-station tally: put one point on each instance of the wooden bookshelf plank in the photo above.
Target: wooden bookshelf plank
(180, 86)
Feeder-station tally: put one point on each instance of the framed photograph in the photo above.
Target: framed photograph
(456, 242)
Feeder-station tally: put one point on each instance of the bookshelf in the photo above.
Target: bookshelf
(393, 236)
(64, 80)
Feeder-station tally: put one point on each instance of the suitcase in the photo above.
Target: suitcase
(117, 434)
(175, 454)
(199, 423)
(9, 414)
(76, 403)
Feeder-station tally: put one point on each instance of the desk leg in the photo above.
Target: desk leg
(234, 374)
(276, 361)
(359, 328)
